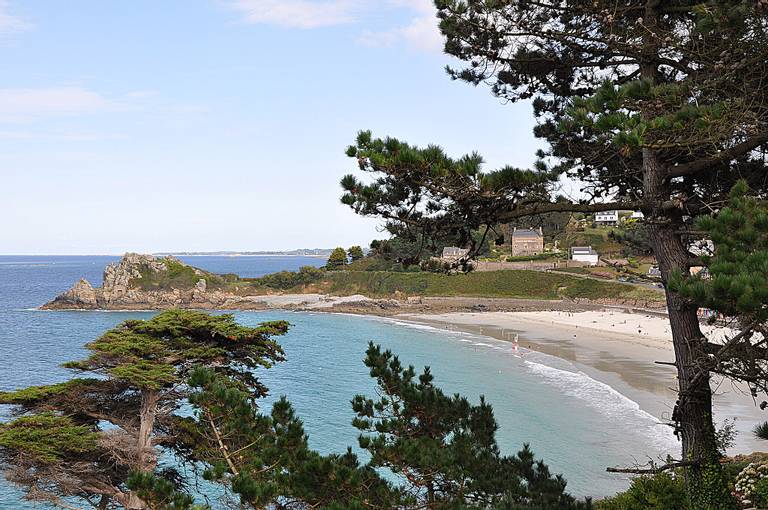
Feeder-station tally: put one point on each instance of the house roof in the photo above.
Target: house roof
(583, 250)
(526, 232)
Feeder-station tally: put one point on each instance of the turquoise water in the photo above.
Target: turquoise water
(578, 425)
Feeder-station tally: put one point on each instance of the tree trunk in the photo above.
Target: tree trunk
(146, 457)
(693, 410)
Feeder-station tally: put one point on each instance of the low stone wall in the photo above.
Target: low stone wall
(531, 265)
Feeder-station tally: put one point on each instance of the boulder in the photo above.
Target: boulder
(81, 295)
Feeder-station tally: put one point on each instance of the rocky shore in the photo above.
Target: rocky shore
(147, 282)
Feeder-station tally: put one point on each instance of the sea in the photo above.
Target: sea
(578, 425)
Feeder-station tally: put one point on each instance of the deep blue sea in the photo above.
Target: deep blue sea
(578, 425)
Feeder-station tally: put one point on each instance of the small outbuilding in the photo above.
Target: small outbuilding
(585, 254)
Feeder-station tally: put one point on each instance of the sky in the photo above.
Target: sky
(206, 125)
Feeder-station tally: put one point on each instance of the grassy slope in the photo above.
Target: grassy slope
(511, 284)
(177, 276)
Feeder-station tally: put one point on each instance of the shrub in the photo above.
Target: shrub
(337, 260)
(435, 266)
(289, 279)
(760, 493)
(756, 473)
(663, 491)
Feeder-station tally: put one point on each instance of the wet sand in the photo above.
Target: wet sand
(617, 348)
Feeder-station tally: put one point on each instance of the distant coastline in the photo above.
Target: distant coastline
(320, 252)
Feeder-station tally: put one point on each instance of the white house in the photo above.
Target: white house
(607, 217)
(584, 254)
(637, 215)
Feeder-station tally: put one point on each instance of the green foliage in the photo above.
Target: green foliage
(444, 446)
(286, 280)
(176, 276)
(509, 284)
(35, 394)
(401, 250)
(355, 253)
(152, 367)
(634, 237)
(677, 87)
(160, 494)
(737, 280)
(760, 493)
(414, 430)
(60, 448)
(337, 259)
(761, 430)
(159, 352)
(271, 461)
(435, 265)
(711, 490)
(48, 438)
(663, 491)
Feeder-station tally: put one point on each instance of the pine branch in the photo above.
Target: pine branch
(540, 208)
(726, 155)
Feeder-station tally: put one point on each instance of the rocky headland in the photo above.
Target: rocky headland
(148, 282)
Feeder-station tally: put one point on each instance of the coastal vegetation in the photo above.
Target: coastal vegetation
(101, 441)
(287, 280)
(656, 106)
(337, 259)
(176, 275)
(502, 284)
(372, 276)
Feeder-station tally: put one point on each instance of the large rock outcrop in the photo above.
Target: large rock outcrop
(144, 282)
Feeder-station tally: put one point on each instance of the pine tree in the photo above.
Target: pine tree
(266, 459)
(60, 447)
(99, 439)
(355, 253)
(444, 447)
(653, 106)
(337, 259)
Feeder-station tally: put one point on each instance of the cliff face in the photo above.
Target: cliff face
(145, 282)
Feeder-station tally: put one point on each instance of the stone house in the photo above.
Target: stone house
(527, 241)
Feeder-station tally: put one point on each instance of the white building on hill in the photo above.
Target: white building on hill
(585, 254)
(607, 217)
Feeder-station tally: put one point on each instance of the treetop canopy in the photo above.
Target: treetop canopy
(150, 354)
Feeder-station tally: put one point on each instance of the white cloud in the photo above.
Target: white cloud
(423, 6)
(29, 103)
(421, 33)
(298, 13)
(8, 22)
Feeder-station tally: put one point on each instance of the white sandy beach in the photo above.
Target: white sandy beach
(614, 347)
(648, 330)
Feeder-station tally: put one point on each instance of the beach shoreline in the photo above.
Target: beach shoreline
(612, 346)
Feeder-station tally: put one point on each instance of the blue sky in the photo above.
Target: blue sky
(218, 124)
